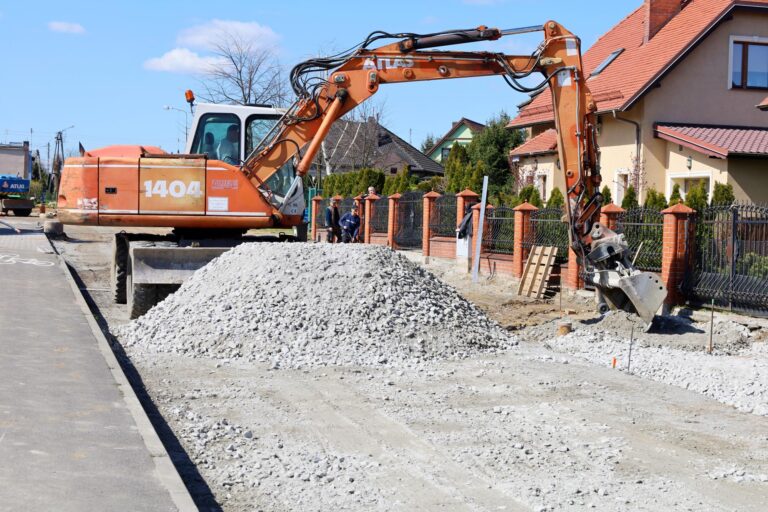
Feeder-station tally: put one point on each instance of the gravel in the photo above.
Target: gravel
(309, 305)
(739, 379)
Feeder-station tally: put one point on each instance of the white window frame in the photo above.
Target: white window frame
(671, 176)
(740, 39)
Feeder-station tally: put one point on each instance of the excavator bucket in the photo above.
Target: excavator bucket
(646, 292)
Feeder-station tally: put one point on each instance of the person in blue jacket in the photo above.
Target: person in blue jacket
(350, 226)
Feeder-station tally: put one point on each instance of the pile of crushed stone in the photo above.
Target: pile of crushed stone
(308, 305)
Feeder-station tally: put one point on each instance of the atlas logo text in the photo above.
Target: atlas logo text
(385, 64)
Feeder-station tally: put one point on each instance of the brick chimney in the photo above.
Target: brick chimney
(658, 13)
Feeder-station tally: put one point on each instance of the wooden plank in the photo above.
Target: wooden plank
(528, 263)
(530, 285)
(547, 271)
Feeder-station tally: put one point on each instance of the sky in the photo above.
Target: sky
(108, 70)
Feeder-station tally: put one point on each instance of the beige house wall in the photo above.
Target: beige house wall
(698, 89)
(749, 179)
(533, 168)
(715, 170)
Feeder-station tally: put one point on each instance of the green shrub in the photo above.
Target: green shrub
(696, 198)
(556, 199)
(530, 194)
(675, 197)
(723, 194)
(630, 198)
(606, 192)
(655, 200)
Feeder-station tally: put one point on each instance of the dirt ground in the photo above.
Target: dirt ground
(530, 429)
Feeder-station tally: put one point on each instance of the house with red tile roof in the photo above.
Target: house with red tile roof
(676, 84)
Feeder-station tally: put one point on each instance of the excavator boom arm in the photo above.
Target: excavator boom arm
(602, 254)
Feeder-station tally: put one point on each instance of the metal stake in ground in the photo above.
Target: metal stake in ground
(711, 327)
(479, 234)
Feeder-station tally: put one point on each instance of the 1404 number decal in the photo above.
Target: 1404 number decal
(177, 188)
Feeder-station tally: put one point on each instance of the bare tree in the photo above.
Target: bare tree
(243, 73)
(638, 174)
(353, 142)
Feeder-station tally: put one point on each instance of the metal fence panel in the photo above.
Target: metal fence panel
(443, 216)
(548, 229)
(320, 213)
(410, 210)
(380, 216)
(643, 229)
(499, 238)
(731, 258)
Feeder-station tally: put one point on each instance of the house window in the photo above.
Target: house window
(393, 170)
(621, 184)
(444, 154)
(607, 62)
(749, 65)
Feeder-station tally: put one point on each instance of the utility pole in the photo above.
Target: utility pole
(58, 160)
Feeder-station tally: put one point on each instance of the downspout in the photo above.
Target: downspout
(637, 135)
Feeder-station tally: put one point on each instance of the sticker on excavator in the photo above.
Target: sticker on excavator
(171, 187)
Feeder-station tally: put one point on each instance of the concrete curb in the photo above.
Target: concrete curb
(164, 467)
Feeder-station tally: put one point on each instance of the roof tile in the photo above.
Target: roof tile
(545, 142)
(717, 141)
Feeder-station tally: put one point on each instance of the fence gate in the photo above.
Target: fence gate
(731, 258)
(410, 211)
(443, 217)
(643, 229)
(380, 217)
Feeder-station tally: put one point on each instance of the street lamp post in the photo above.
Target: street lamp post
(186, 120)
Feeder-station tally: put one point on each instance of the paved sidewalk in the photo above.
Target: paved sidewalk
(68, 440)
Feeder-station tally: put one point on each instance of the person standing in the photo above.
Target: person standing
(332, 219)
(350, 226)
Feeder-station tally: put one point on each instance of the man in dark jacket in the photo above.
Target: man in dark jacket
(332, 222)
(350, 226)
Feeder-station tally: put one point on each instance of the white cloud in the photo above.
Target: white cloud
(66, 27)
(181, 60)
(206, 35)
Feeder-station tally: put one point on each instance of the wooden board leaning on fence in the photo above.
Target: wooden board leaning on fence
(538, 268)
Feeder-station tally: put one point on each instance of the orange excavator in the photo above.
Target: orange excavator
(204, 195)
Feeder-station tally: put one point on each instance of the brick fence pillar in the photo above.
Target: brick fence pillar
(464, 199)
(426, 219)
(313, 221)
(676, 254)
(609, 216)
(369, 213)
(573, 278)
(394, 200)
(522, 228)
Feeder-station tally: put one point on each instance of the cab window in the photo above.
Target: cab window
(211, 131)
(256, 128)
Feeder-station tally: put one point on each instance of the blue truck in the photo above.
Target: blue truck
(14, 195)
(15, 174)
